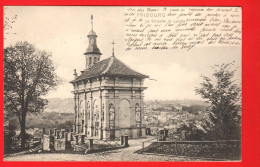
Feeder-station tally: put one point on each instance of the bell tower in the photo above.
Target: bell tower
(92, 53)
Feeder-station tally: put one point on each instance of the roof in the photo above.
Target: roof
(92, 48)
(92, 33)
(109, 67)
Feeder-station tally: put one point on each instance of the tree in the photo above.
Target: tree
(194, 109)
(191, 130)
(29, 74)
(8, 23)
(224, 96)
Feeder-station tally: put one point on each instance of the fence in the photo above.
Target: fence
(225, 149)
(82, 143)
(107, 143)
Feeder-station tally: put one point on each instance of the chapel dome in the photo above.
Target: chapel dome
(92, 33)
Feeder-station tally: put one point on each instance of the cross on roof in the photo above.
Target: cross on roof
(113, 43)
(92, 22)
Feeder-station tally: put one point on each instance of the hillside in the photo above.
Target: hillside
(45, 120)
(60, 105)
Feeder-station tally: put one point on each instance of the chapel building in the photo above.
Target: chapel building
(108, 96)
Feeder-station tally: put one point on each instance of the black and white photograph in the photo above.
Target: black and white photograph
(122, 83)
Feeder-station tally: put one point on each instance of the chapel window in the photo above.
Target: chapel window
(90, 60)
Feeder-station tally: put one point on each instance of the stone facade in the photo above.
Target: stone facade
(108, 97)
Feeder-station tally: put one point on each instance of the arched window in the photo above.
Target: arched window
(96, 113)
(82, 110)
(124, 113)
(95, 59)
(90, 60)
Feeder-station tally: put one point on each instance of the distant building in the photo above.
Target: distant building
(108, 96)
(157, 104)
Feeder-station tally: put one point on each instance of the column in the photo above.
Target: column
(75, 114)
(78, 123)
(91, 111)
(143, 126)
(85, 114)
(100, 115)
(116, 103)
(105, 101)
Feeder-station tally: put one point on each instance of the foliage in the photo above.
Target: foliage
(214, 150)
(192, 132)
(224, 96)
(50, 120)
(194, 109)
(221, 119)
(29, 74)
(44, 120)
(8, 23)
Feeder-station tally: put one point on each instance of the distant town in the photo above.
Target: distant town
(65, 105)
(159, 114)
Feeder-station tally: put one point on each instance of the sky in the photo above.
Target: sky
(63, 31)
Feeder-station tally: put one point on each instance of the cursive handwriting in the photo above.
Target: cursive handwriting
(181, 27)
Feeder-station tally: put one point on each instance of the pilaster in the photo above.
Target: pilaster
(85, 115)
(91, 111)
(78, 123)
(100, 115)
(75, 114)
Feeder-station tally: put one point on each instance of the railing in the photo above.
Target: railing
(89, 144)
(148, 142)
(107, 143)
(224, 149)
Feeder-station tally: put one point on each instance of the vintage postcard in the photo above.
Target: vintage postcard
(122, 83)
